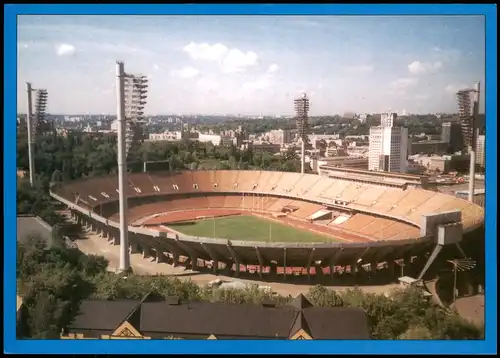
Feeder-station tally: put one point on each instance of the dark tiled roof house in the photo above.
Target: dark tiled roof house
(173, 318)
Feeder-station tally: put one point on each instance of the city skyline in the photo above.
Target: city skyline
(253, 65)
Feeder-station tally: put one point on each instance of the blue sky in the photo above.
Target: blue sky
(253, 64)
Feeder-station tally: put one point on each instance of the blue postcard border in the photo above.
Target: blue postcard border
(220, 347)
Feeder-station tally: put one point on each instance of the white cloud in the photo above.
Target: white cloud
(230, 59)
(259, 84)
(417, 67)
(273, 68)
(206, 51)
(156, 67)
(238, 61)
(403, 83)
(207, 84)
(360, 69)
(186, 72)
(65, 50)
(263, 82)
(454, 88)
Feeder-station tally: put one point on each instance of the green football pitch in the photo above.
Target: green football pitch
(249, 228)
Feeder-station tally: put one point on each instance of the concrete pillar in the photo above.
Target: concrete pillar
(160, 257)
(391, 267)
(309, 262)
(319, 271)
(237, 268)
(332, 270)
(175, 260)
(261, 261)
(133, 249)
(235, 258)
(213, 257)
(146, 252)
(354, 268)
(194, 262)
(284, 264)
(273, 270)
(407, 265)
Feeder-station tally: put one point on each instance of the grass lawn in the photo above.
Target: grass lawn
(248, 228)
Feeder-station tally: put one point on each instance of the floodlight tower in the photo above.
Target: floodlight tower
(136, 87)
(34, 122)
(131, 93)
(468, 105)
(301, 105)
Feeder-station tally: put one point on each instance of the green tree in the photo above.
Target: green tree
(416, 332)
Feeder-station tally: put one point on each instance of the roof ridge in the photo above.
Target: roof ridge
(134, 310)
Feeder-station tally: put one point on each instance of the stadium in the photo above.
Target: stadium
(266, 223)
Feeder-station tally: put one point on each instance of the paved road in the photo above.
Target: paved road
(471, 308)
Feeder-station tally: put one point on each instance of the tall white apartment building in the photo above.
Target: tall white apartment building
(279, 136)
(480, 150)
(388, 148)
(387, 119)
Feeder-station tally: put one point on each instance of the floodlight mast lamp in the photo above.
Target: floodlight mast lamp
(135, 100)
(33, 121)
(468, 120)
(302, 109)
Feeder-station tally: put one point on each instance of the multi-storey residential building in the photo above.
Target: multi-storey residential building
(279, 136)
(388, 147)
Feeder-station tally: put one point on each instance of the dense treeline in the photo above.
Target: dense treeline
(78, 155)
(416, 124)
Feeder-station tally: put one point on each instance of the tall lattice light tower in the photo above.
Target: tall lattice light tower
(35, 121)
(131, 93)
(468, 105)
(301, 105)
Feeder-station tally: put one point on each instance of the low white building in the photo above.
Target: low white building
(166, 136)
(215, 139)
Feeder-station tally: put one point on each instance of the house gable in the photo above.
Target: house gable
(125, 331)
(301, 334)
